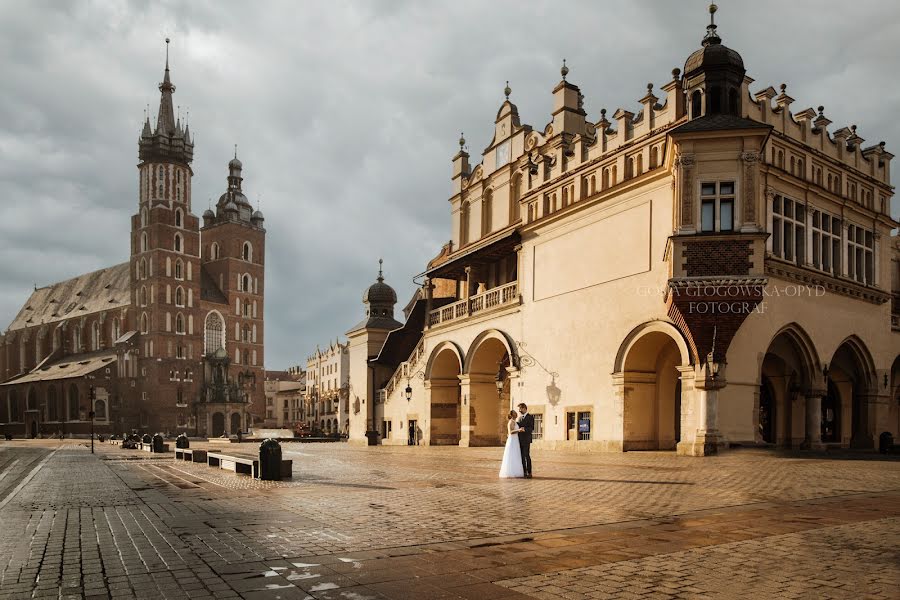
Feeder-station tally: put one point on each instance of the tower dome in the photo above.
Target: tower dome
(713, 75)
(380, 292)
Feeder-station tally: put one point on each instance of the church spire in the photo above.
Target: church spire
(165, 121)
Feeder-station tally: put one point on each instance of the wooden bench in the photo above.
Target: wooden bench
(190, 455)
(243, 465)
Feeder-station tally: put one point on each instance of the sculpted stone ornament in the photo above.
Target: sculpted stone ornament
(750, 160)
(686, 164)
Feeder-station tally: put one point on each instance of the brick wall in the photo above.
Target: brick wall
(710, 258)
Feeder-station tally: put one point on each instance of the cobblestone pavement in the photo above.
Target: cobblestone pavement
(397, 522)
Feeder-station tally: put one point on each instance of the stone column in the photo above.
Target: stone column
(465, 417)
(706, 438)
(615, 440)
(813, 437)
(749, 194)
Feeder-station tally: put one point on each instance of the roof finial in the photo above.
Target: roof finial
(711, 36)
(506, 90)
(380, 276)
(565, 70)
(167, 54)
(462, 141)
(235, 150)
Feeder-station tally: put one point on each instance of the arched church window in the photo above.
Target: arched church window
(179, 323)
(247, 252)
(145, 325)
(76, 339)
(143, 217)
(179, 218)
(214, 251)
(214, 332)
(95, 336)
(179, 269)
(144, 243)
(142, 268)
(100, 410)
(179, 296)
(696, 104)
(245, 283)
(143, 296)
(178, 243)
(116, 329)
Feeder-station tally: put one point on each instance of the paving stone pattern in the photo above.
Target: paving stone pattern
(399, 522)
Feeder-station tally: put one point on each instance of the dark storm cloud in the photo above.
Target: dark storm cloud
(347, 113)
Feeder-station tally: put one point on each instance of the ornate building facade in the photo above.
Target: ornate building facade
(171, 340)
(713, 268)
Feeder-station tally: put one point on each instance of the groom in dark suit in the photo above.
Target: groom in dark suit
(526, 424)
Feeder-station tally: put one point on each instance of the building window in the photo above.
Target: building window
(788, 230)
(144, 243)
(487, 210)
(538, 433)
(179, 323)
(578, 425)
(143, 217)
(179, 217)
(100, 410)
(214, 251)
(464, 224)
(179, 296)
(214, 333)
(860, 255)
(74, 403)
(717, 206)
(178, 243)
(144, 325)
(245, 283)
(247, 252)
(143, 299)
(142, 269)
(826, 242)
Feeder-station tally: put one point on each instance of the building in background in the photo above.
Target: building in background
(285, 395)
(325, 409)
(172, 339)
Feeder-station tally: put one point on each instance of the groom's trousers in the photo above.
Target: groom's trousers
(525, 449)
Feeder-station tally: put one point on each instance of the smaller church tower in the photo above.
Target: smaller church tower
(365, 341)
(165, 264)
(234, 265)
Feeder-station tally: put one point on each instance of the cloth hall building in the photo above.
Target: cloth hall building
(711, 268)
(172, 339)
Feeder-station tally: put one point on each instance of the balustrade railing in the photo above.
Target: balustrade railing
(493, 298)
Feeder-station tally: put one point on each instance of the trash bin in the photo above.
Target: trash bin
(158, 443)
(182, 441)
(885, 442)
(372, 436)
(270, 460)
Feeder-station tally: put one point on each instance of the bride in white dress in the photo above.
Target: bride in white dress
(511, 467)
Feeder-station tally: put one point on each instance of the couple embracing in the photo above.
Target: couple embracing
(517, 454)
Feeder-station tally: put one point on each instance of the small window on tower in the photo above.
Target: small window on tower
(177, 244)
(179, 218)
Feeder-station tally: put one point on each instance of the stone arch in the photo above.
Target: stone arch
(484, 409)
(235, 424)
(443, 391)
(788, 371)
(446, 345)
(481, 338)
(643, 329)
(649, 365)
(853, 376)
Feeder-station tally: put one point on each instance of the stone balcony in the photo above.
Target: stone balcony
(498, 297)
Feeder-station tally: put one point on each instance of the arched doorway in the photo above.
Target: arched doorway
(786, 375)
(487, 409)
(442, 376)
(218, 424)
(235, 423)
(852, 373)
(652, 415)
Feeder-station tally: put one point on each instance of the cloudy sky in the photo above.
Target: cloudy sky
(346, 116)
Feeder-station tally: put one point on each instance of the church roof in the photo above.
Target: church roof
(101, 290)
(77, 365)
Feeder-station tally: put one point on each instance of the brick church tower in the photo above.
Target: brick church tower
(165, 267)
